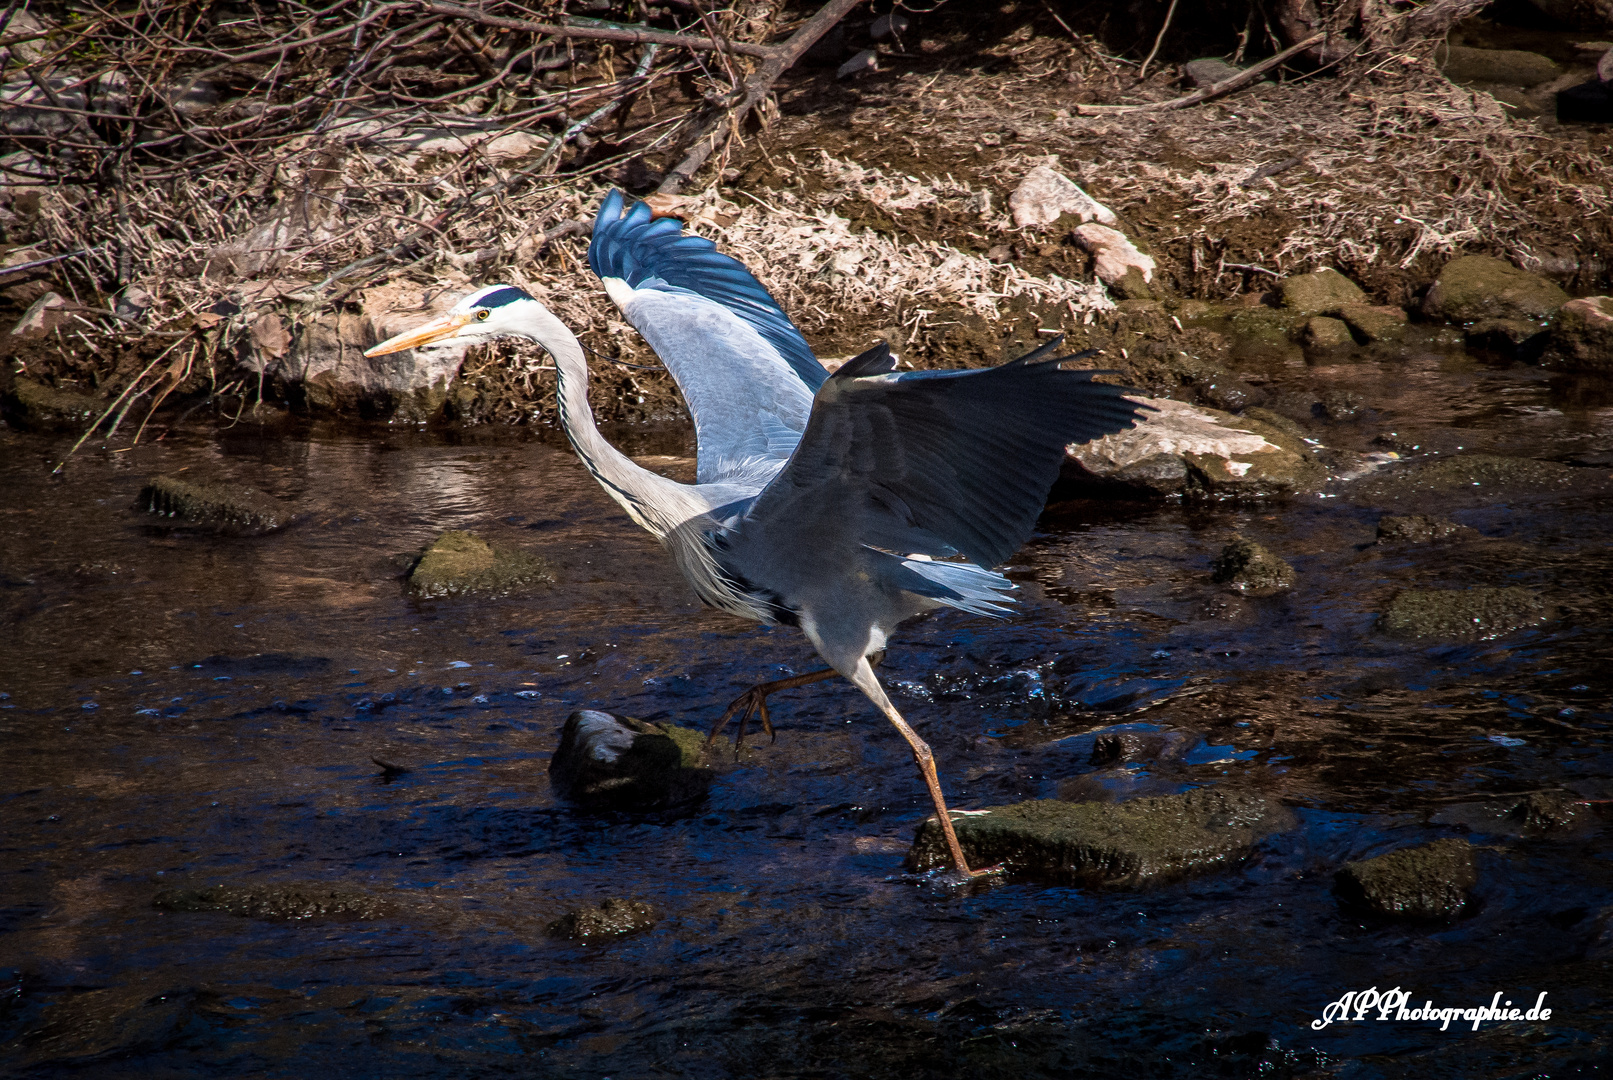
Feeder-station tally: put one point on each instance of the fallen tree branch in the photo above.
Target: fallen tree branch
(1225, 86)
(714, 132)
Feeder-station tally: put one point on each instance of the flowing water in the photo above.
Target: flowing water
(184, 709)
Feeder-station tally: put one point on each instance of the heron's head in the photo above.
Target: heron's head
(492, 312)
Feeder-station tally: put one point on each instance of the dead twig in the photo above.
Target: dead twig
(1225, 86)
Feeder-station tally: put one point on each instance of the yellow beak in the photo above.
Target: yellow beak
(435, 330)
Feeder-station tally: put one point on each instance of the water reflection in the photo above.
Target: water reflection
(243, 686)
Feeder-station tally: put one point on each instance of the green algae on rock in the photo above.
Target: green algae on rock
(620, 762)
(279, 903)
(1131, 843)
(612, 918)
(1418, 529)
(1427, 882)
(1320, 293)
(1475, 287)
(1251, 568)
(222, 506)
(34, 405)
(1325, 332)
(1374, 323)
(1476, 614)
(460, 563)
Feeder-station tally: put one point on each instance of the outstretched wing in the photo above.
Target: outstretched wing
(937, 462)
(745, 370)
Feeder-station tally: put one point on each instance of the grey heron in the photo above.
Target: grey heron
(840, 503)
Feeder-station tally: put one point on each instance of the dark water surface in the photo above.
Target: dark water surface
(186, 709)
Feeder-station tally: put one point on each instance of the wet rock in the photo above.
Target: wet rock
(1181, 448)
(1118, 747)
(1251, 568)
(1481, 476)
(1509, 67)
(1475, 287)
(1476, 614)
(1131, 843)
(618, 762)
(1337, 405)
(279, 903)
(1510, 337)
(611, 919)
(1320, 293)
(1322, 332)
(105, 1025)
(1428, 882)
(225, 507)
(1374, 323)
(1418, 529)
(461, 564)
(1208, 71)
(1119, 264)
(1045, 195)
(1582, 339)
(33, 405)
(1259, 330)
(1545, 811)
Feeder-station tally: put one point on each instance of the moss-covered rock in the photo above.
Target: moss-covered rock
(1251, 568)
(1545, 811)
(1130, 843)
(226, 507)
(1476, 614)
(1507, 67)
(1418, 529)
(607, 761)
(613, 918)
(1320, 293)
(1323, 332)
(1428, 882)
(279, 903)
(1582, 338)
(460, 563)
(1475, 287)
(33, 405)
(1374, 323)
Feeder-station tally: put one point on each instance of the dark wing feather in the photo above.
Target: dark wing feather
(963, 457)
(650, 253)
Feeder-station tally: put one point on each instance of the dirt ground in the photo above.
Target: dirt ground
(876, 207)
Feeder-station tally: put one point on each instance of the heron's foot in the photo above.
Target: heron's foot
(994, 870)
(752, 702)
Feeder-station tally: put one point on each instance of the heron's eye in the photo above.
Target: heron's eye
(482, 315)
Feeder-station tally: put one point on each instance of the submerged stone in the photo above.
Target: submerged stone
(619, 762)
(34, 405)
(1249, 567)
(1475, 287)
(1428, 882)
(1485, 476)
(1320, 293)
(1418, 529)
(459, 563)
(1476, 614)
(276, 902)
(612, 918)
(1130, 843)
(1545, 811)
(221, 506)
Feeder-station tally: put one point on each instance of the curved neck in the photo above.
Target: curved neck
(653, 501)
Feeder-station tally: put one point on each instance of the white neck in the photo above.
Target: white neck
(650, 499)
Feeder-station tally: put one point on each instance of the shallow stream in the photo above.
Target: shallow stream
(183, 709)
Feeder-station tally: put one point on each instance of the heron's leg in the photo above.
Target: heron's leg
(753, 702)
(863, 677)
